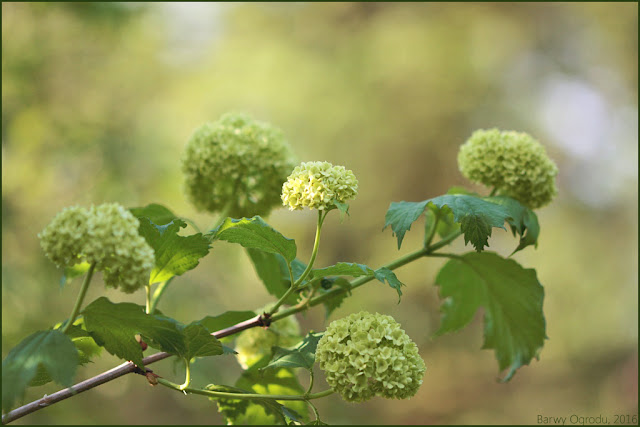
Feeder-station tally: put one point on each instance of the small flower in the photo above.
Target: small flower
(106, 235)
(255, 343)
(236, 162)
(366, 355)
(318, 185)
(513, 162)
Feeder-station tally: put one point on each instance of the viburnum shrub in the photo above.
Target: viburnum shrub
(242, 169)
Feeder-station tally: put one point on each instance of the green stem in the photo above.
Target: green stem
(305, 273)
(444, 242)
(314, 252)
(244, 396)
(310, 383)
(432, 232)
(493, 192)
(315, 410)
(162, 287)
(147, 291)
(405, 259)
(81, 295)
(187, 379)
(224, 213)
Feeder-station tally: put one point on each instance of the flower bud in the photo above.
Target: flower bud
(236, 163)
(318, 185)
(513, 162)
(365, 355)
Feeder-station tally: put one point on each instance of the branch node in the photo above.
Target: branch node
(264, 320)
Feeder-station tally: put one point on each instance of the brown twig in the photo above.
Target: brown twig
(117, 372)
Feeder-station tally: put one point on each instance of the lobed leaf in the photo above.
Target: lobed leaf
(302, 355)
(476, 216)
(257, 234)
(401, 215)
(262, 411)
(512, 298)
(199, 342)
(272, 270)
(156, 213)
(383, 274)
(114, 326)
(174, 254)
(49, 351)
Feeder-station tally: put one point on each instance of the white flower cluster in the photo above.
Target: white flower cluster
(106, 235)
(318, 185)
(366, 355)
(236, 163)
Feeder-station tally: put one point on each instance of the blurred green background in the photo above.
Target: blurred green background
(99, 99)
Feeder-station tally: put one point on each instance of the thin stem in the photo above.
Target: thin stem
(243, 396)
(162, 287)
(187, 378)
(432, 232)
(493, 192)
(147, 291)
(224, 213)
(305, 273)
(444, 242)
(412, 256)
(314, 252)
(310, 383)
(80, 299)
(315, 410)
(442, 255)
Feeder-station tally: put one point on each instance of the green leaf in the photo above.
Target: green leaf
(262, 411)
(353, 269)
(199, 342)
(156, 213)
(114, 326)
(384, 274)
(343, 208)
(343, 269)
(475, 215)
(226, 320)
(257, 234)
(51, 351)
(522, 220)
(72, 272)
(401, 215)
(512, 298)
(269, 268)
(302, 355)
(174, 254)
(446, 225)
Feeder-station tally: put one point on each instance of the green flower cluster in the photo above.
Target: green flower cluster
(106, 235)
(366, 355)
(318, 185)
(236, 164)
(255, 343)
(513, 162)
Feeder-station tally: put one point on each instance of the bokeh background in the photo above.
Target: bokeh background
(99, 99)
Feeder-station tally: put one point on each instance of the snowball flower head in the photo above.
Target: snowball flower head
(513, 162)
(318, 185)
(237, 164)
(366, 355)
(106, 235)
(255, 343)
